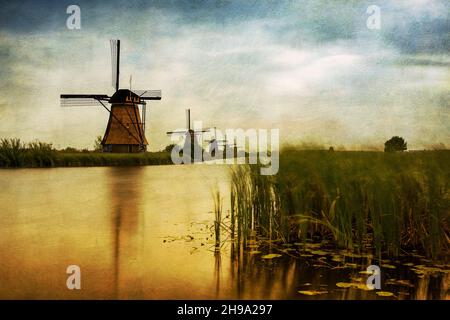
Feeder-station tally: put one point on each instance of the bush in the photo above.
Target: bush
(395, 144)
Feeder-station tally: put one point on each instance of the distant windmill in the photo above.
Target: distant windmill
(190, 136)
(230, 146)
(125, 131)
(214, 143)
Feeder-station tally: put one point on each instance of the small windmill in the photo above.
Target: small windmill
(214, 143)
(190, 136)
(125, 131)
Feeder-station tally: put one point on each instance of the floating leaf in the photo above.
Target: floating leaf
(312, 292)
(343, 284)
(384, 293)
(360, 286)
(271, 256)
(365, 272)
(409, 264)
(388, 266)
(319, 252)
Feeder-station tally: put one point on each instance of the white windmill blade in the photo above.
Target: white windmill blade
(115, 63)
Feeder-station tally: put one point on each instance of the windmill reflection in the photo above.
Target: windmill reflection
(125, 195)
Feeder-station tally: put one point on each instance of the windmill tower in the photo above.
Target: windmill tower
(125, 131)
(215, 143)
(190, 141)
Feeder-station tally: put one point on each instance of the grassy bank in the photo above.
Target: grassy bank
(16, 154)
(383, 202)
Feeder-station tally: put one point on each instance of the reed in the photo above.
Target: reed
(358, 200)
(217, 217)
(15, 153)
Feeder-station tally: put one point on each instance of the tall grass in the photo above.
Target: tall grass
(358, 200)
(217, 217)
(255, 205)
(14, 154)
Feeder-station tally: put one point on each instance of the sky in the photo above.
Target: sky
(311, 69)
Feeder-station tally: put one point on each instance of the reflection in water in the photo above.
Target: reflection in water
(125, 186)
(146, 233)
(253, 278)
(217, 271)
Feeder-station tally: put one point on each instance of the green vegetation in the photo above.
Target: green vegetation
(364, 201)
(16, 154)
(395, 144)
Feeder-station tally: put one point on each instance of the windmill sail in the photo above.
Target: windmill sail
(81, 100)
(115, 63)
(148, 94)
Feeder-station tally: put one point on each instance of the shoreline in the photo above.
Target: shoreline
(58, 159)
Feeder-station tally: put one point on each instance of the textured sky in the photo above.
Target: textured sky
(309, 68)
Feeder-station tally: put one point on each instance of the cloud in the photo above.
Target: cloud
(311, 69)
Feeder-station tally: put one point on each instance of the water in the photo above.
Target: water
(145, 233)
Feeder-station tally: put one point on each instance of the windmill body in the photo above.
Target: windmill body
(125, 131)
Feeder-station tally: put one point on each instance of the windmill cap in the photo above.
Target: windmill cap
(124, 96)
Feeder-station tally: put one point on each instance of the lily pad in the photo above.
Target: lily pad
(360, 286)
(337, 259)
(344, 284)
(384, 293)
(271, 256)
(365, 272)
(312, 292)
(409, 264)
(319, 252)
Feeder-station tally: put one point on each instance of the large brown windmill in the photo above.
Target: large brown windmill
(125, 131)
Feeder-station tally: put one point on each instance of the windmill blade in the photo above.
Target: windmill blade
(81, 100)
(177, 132)
(68, 102)
(148, 94)
(115, 63)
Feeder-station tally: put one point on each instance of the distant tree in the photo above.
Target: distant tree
(169, 147)
(331, 149)
(98, 144)
(70, 150)
(395, 144)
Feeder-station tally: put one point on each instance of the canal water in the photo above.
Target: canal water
(147, 233)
